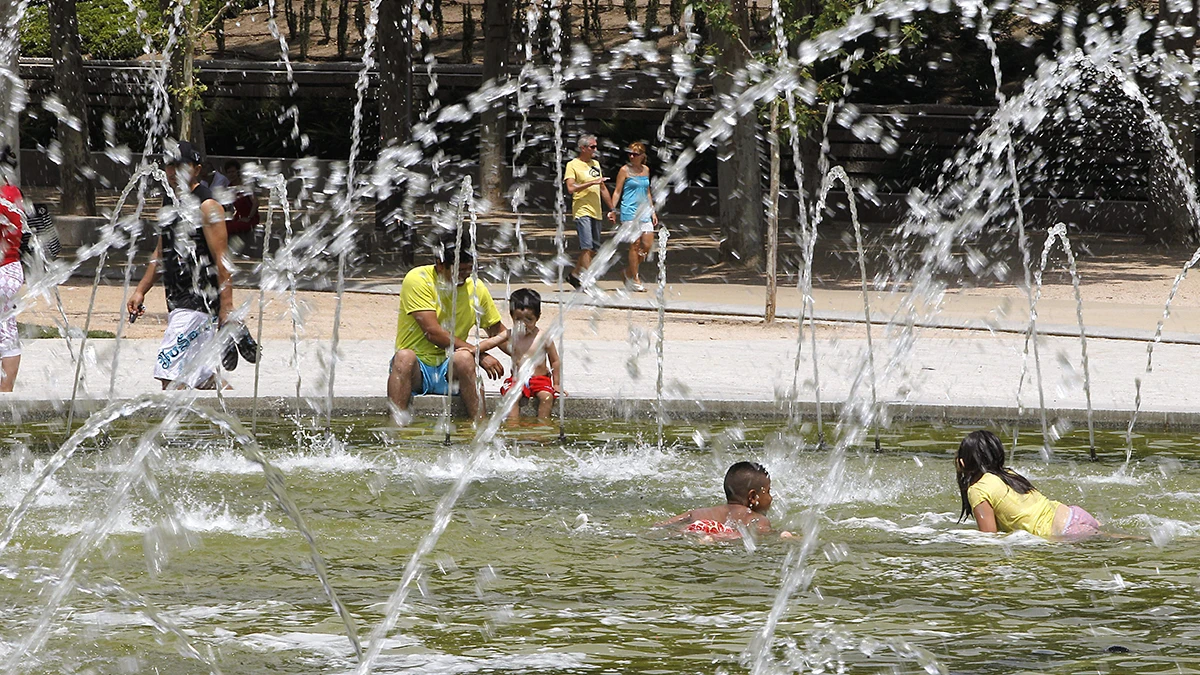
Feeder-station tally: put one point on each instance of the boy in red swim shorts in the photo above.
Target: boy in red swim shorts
(525, 308)
(747, 496)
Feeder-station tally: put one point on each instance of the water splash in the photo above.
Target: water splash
(1059, 233)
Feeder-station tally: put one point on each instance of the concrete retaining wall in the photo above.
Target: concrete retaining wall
(14, 411)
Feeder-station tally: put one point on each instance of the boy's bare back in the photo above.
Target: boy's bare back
(747, 497)
(722, 514)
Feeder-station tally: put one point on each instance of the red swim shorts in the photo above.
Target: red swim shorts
(536, 383)
(709, 527)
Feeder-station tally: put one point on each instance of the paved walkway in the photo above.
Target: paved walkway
(962, 361)
(929, 373)
(1004, 313)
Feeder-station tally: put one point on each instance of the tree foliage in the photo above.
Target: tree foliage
(108, 29)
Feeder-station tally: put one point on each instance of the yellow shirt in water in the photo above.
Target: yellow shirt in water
(423, 290)
(1031, 511)
(586, 202)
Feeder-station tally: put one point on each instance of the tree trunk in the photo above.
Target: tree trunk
(493, 122)
(326, 22)
(394, 43)
(395, 32)
(739, 182)
(10, 51)
(307, 10)
(360, 18)
(78, 192)
(289, 16)
(425, 12)
(773, 217)
(189, 103)
(467, 52)
(1172, 222)
(343, 28)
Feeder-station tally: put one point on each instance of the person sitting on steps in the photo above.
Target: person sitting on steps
(428, 295)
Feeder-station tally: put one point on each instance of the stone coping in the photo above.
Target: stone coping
(26, 411)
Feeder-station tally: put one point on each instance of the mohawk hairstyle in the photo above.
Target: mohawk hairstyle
(743, 477)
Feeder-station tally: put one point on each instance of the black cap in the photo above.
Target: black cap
(184, 154)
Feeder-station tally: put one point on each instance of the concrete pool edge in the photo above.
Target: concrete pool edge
(21, 410)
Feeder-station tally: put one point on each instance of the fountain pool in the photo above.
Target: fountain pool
(550, 563)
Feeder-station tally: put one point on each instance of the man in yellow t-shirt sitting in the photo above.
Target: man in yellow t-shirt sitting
(428, 296)
(585, 183)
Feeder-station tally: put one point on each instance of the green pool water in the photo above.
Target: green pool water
(550, 563)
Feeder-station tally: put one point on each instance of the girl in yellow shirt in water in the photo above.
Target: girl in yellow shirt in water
(1003, 500)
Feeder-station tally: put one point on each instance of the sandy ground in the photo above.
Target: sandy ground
(372, 316)
(1125, 286)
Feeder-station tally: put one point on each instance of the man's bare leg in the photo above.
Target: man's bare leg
(583, 262)
(468, 384)
(403, 376)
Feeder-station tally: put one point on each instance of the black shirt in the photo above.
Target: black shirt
(189, 271)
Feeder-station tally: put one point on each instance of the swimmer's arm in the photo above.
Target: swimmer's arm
(985, 517)
(763, 525)
(683, 517)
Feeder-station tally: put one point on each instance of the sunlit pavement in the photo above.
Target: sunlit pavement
(959, 376)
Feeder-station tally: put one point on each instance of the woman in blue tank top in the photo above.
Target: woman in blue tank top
(636, 204)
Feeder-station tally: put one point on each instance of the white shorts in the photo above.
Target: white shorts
(12, 277)
(188, 331)
(647, 227)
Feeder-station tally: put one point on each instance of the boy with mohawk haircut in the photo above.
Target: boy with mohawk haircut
(747, 499)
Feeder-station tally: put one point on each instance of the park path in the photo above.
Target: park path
(967, 354)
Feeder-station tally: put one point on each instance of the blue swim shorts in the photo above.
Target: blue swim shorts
(433, 378)
(589, 233)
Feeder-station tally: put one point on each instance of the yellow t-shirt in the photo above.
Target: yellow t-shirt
(423, 290)
(1031, 511)
(585, 202)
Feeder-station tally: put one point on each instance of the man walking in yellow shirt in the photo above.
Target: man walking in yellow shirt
(585, 183)
(427, 298)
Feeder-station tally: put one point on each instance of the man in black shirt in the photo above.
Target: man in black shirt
(196, 276)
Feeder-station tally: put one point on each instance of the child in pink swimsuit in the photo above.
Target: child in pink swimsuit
(747, 497)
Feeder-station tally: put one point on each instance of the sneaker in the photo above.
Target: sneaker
(634, 286)
(574, 281)
(246, 345)
(229, 359)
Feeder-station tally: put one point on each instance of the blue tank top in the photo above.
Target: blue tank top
(634, 194)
